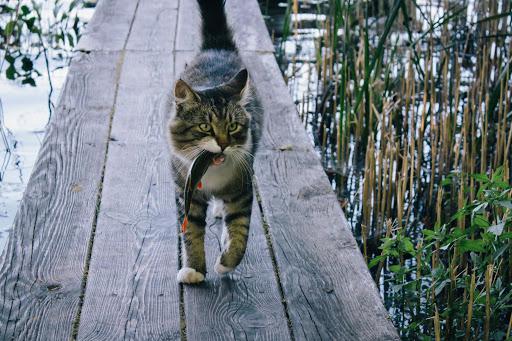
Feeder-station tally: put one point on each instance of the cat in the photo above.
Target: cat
(217, 110)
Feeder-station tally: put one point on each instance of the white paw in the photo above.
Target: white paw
(218, 208)
(221, 269)
(189, 275)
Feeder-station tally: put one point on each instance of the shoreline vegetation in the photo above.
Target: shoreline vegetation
(408, 105)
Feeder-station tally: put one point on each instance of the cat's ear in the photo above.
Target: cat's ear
(238, 87)
(184, 93)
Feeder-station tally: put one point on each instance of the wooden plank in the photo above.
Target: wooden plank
(42, 271)
(131, 288)
(248, 26)
(244, 16)
(329, 292)
(154, 26)
(109, 27)
(242, 305)
(245, 305)
(188, 32)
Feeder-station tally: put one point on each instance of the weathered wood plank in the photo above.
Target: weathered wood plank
(109, 27)
(154, 26)
(42, 271)
(188, 32)
(131, 288)
(245, 16)
(248, 26)
(329, 292)
(244, 305)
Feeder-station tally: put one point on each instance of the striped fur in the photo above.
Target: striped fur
(216, 110)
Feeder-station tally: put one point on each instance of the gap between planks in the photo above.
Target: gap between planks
(272, 254)
(181, 291)
(119, 67)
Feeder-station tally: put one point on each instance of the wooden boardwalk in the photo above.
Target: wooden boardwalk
(95, 247)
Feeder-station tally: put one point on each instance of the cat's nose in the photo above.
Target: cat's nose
(223, 144)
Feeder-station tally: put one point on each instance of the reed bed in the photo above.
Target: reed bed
(409, 106)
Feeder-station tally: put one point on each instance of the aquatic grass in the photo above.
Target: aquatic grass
(410, 110)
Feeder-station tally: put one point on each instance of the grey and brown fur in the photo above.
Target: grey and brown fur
(216, 110)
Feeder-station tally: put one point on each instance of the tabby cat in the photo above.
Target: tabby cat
(217, 111)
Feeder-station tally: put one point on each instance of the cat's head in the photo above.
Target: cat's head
(213, 119)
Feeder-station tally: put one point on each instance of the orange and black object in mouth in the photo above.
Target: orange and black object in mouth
(195, 173)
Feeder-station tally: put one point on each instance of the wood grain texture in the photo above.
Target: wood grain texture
(131, 289)
(248, 26)
(244, 305)
(42, 269)
(328, 289)
(154, 26)
(188, 32)
(109, 27)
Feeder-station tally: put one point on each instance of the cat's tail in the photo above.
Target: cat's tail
(216, 32)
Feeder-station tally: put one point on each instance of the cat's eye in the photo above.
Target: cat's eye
(205, 127)
(233, 127)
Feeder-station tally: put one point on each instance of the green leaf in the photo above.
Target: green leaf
(9, 28)
(395, 268)
(27, 64)
(427, 232)
(481, 177)
(30, 24)
(498, 174)
(477, 245)
(446, 182)
(10, 59)
(10, 72)
(407, 245)
(375, 261)
(29, 80)
(71, 41)
(24, 10)
(480, 221)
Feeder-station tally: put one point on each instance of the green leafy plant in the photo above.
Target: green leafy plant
(25, 36)
(455, 281)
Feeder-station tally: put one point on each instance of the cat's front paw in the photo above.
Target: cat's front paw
(221, 269)
(189, 276)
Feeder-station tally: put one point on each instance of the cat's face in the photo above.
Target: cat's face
(212, 120)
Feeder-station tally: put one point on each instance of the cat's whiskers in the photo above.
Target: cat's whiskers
(242, 164)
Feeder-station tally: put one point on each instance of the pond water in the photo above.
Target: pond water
(25, 111)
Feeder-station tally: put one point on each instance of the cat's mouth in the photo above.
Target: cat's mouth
(218, 159)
